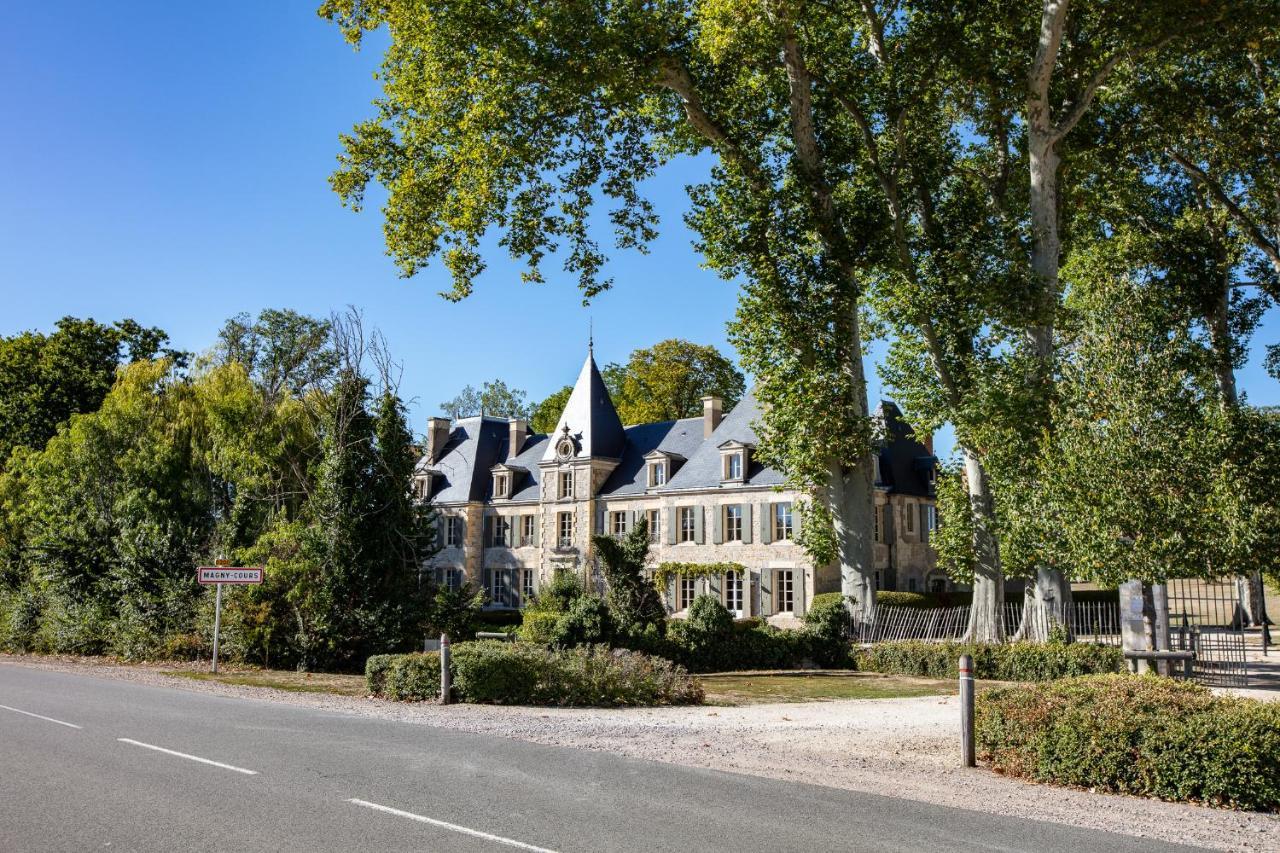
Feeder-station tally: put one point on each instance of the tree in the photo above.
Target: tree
(633, 599)
(572, 102)
(667, 381)
(45, 379)
(546, 414)
(494, 399)
(282, 350)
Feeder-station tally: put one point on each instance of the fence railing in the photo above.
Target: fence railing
(1089, 621)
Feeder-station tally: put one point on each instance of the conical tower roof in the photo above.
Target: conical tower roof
(592, 420)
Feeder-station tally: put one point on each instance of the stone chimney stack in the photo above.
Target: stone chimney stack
(928, 443)
(438, 430)
(711, 414)
(518, 431)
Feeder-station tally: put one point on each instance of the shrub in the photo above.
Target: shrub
(587, 621)
(824, 598)
(539, 626)
(559, 595)
(405, 678)
(456, 612)
(1137, 735)
(886, 598)
(1008, 662)
(708, 619)
(521, 674)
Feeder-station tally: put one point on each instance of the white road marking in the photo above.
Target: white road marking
(475, 833)
(190, 757)
(41, 717)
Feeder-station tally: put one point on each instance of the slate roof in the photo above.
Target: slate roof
(631, 476)
(904, 462)
(702, 471)
(592, 420)
(476, 444)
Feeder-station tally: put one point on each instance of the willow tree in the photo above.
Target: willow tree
(519, 118)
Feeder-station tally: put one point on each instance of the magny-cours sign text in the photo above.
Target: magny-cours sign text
(229, 574)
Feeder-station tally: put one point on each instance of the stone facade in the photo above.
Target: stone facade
(516, 508)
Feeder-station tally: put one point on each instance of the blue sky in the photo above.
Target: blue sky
(168, 161)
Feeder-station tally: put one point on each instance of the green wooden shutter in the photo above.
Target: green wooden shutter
(537, 532)
(698, 523)
(746, 522)
(766, 592)
(462, 532)
(713, 586)
(797, 576)
(673, 521)
(488, 531)
(795, 522)
(766, 523)
(888, 525)
(717, 524)
(924, 523)
(486, 578)
(671, 594)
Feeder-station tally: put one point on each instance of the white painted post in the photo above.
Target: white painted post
(446, 676)
(217, 624)
(966, 712)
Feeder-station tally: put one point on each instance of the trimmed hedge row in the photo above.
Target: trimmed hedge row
(1008, 662)
(498, 673)
(1139, 735)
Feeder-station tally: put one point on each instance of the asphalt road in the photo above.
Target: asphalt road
(113, 765)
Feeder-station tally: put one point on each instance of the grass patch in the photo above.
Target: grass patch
(737, 688)
(280, 679)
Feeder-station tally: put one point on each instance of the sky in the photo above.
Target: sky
(169, 161)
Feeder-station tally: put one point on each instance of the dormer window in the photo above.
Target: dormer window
(502, 485)
(733, 461)
(661, 466)
(422, 487)
(657, 474)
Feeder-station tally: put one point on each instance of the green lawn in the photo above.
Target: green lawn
(280, 679)
(738, 688)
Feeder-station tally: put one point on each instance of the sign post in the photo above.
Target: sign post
(217, 575)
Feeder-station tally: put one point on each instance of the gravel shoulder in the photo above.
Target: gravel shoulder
(896, 747)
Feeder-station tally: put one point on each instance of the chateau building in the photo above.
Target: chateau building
(515, 507)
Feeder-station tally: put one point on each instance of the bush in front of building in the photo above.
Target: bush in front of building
(405, 678)
(1140, 735)
(586, 622)
(1006, 662)
(539, 626)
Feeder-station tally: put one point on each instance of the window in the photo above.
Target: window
(501, 532)
(422, 488)
(526, 529)
(564, 526)
(452, 531)
(733, 523)
(785, 591)
(657, 474)
(930, 517)
(526, 584)
(688, 530)
(452, 578)
(498, 588)
(618, 523)
(733, 592)
(937, 585)
(877, 581)
(782, 522)
(878, 534)
(655, 525)
(688, 589)
(911, 585)
(733, 466)
(500, 482)
(911, 517)
(875, 469)
(566, 484)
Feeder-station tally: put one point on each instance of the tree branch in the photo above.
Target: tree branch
(1255, 234)
(674, 76)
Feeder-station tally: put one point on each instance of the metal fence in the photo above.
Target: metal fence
(1089, 621)
(1205, 616)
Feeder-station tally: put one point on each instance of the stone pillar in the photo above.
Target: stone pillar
(1134, 636)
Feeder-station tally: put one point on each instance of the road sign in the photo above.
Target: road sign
(221, 563)
(229, 574)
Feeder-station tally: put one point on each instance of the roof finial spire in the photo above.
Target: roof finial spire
(591, 336)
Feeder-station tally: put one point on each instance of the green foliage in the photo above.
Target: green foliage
(539, 626)
(494, 399)
(587, 621)
(708, 620)
(545, 414)
(668, 570)
(827, 619)
(493, 672)
(404, 678)
(1146, 736)
(556, 597)
(634, 602)
(1010, 662)
(668, 380)
(456, 612)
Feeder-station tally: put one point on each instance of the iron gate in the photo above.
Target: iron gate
(1205, 616)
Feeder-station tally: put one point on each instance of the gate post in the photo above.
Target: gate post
(1160, 640)
(1133, 623)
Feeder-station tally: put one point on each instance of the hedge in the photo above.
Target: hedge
(1140, 735)
(1008, 662)
(493, 672)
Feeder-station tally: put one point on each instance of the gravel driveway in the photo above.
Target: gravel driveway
(897, 747)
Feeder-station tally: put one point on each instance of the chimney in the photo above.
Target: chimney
(710, 415)
(517, 431)
(928, 443)
(438, 430)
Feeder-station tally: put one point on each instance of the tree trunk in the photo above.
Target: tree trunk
(1045, 604)
(850, 496)
(986, 615)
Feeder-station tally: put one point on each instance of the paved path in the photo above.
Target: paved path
(93, 764)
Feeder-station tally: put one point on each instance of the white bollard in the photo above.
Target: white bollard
(966, 712)
(446, 675)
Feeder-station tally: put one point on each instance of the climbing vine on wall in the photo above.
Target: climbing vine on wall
(666, 571)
